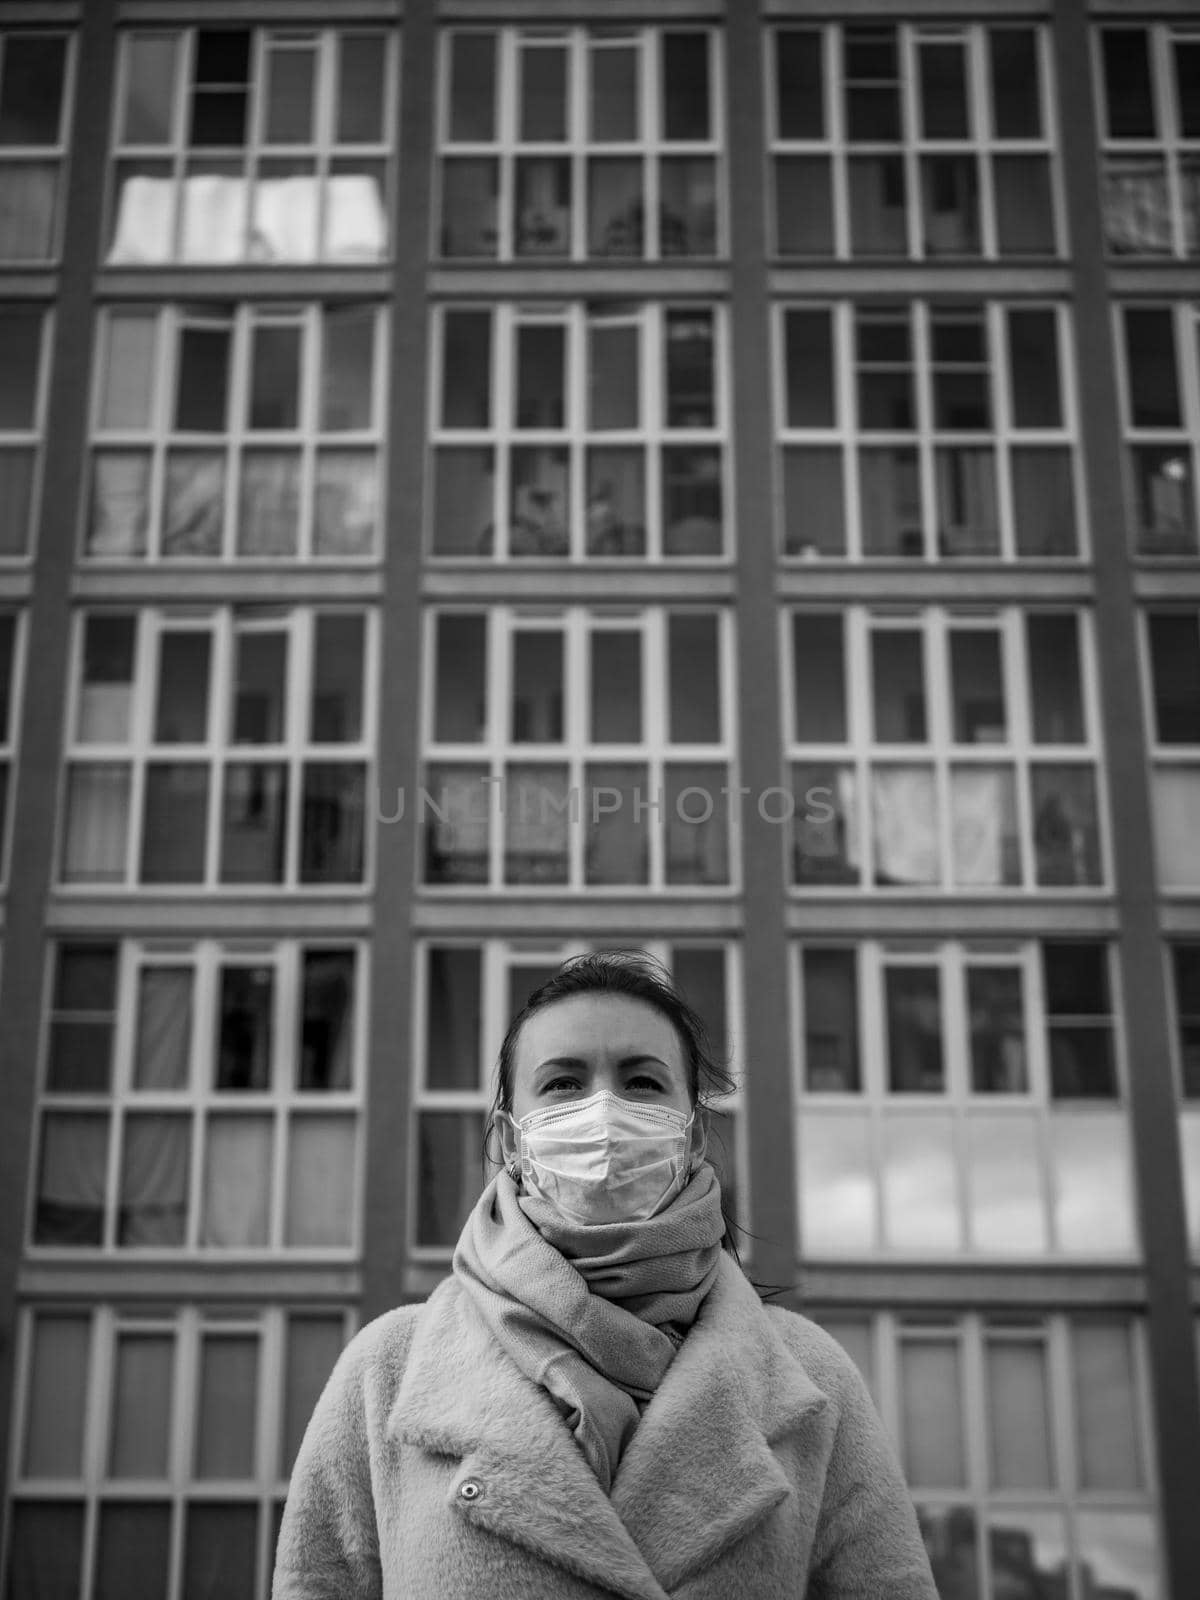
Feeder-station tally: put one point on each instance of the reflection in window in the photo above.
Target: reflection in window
(1151, 133)
(33, 111)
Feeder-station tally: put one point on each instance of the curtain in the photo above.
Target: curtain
(141, 1413)
(284, 226)
(346, 510)
(1018, 1395)
(73, 1179)
(697, 844)
(983, 822)
(16, 499)
(154, 1180)
(145, 226)
(28, 203)
(617, 838)
(537, 803)
(322, 1182)
(269, 504)
(194, 514)
(905, 825)
(120, 508)
(214, 218)
(237, 1181)
(356, 226)
(97, 823)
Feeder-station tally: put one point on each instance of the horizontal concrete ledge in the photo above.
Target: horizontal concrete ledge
(156, 284)
(919, 582)
(873, 915)
(629, 917)
(930, 280)
(209, 913)
(169, 583)
(626, 586)
(574, 280)
(252, 1282)
(971, 1285)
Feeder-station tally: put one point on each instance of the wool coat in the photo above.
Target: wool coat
(433, 1469)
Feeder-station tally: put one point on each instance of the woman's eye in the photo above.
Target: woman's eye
(643, 1081)
(560, 1083)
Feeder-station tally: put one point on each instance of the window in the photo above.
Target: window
(35, 94)
(1185, 986)
(588, 431)
(938, 749)
(1026, 1442)
(201, 1097)
(23, 381)
(250, 433)
(467, 992)
(1159, 352)
(160, 1443)
(252, 145)
(1173, 641)
(961, 1099)
(1151, 132)
(11, 660)
(573, 143)
(929, 141)
(576, 748)
(936, 432)
(219, 748)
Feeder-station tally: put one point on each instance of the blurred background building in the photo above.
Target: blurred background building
(489, 480)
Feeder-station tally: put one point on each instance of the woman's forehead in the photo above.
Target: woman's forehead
(590, 1024)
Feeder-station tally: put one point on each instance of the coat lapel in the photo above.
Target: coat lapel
(700, 1473)
(463, 1396)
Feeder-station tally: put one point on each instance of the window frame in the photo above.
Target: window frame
(1182, 439)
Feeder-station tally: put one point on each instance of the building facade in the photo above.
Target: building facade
(482, 481)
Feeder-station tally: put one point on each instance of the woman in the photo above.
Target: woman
(595, 1402)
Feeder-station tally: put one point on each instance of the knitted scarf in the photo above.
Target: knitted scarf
(592, 1314)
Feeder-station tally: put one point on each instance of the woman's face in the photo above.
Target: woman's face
(573, 1048)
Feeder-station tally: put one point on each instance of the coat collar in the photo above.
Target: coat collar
(698, 1474)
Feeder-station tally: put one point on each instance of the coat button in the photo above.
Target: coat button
(470, 1489)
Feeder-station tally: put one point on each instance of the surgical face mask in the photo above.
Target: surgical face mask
(605, 1159)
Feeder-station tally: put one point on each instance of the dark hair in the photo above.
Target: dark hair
(638, 976)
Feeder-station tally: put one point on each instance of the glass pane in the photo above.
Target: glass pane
(275, 377)
(984, 840)
(539, 505)
(72, 1180)
(106, 697)
(332, 820)
(32, 92)
(453, 1017)
(1005, 1199)
(1016, 89)
(831, 1061)
(147, 115)
(996, 1023)
(1024, 201)
(615, 91)
(616, 687)
(699, 972)
(313, 1346)
(890, 502)
(1033, 364)
(931, 1413)
(155, 1164)
(1187, 84)
(1066, 828)
(687, 219)
(693, 665)
(1055, 689)
(362, 70)
(470, 207)
(337, 691)
(347, 381)
(1163, 499)
(1018, 1401)
(227, 1406)
(1093, 1184)
(838, 1179)
(818, 679)
(472, 86)
(685, 89)
(134, 1551)
(538, 803)
(1106, 1406)
(697, 831)
(951, 1543)
(799, 84)
(466, 369)
(463, 503)
(542, 221)
(878, 205)
(456, 815)
(237, 1181)
(57, 1397)
(616, 814)
(543, 95)
(1128, 92)
(175, 823)
(127, 378)
(614, 374)
(460, 709)
(872, 71)
(181, 716)
(287, 92)
(221, 1551)
(260, 687)
(537, 687)
(803, 206)
(97, 824)
(244, 1028)
(1028, 1551)
(448, 1151)
(322, 1183)
(898, 686)
(16, 499)
(977, 686)
(813, 502)
(616, 206)
(1118, 1552)
(1137, 206)
(220, 97)
(139, 1441)
(1174, 639)
(691, 395)
(162, 1044)
(692, 504)
(327, 1022)
(1152, 375)
(1043, 491)
(808, 368)
(826, 845)
(615, 516)
(82, 1018)
(967, 506)
(202, 388)
(346, 504)
(950, 205)
(194, 504)
(1185, 965)
(945, 108)
(45, 1550)
(269, 503)
(922, 1212)
(914, 1029)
